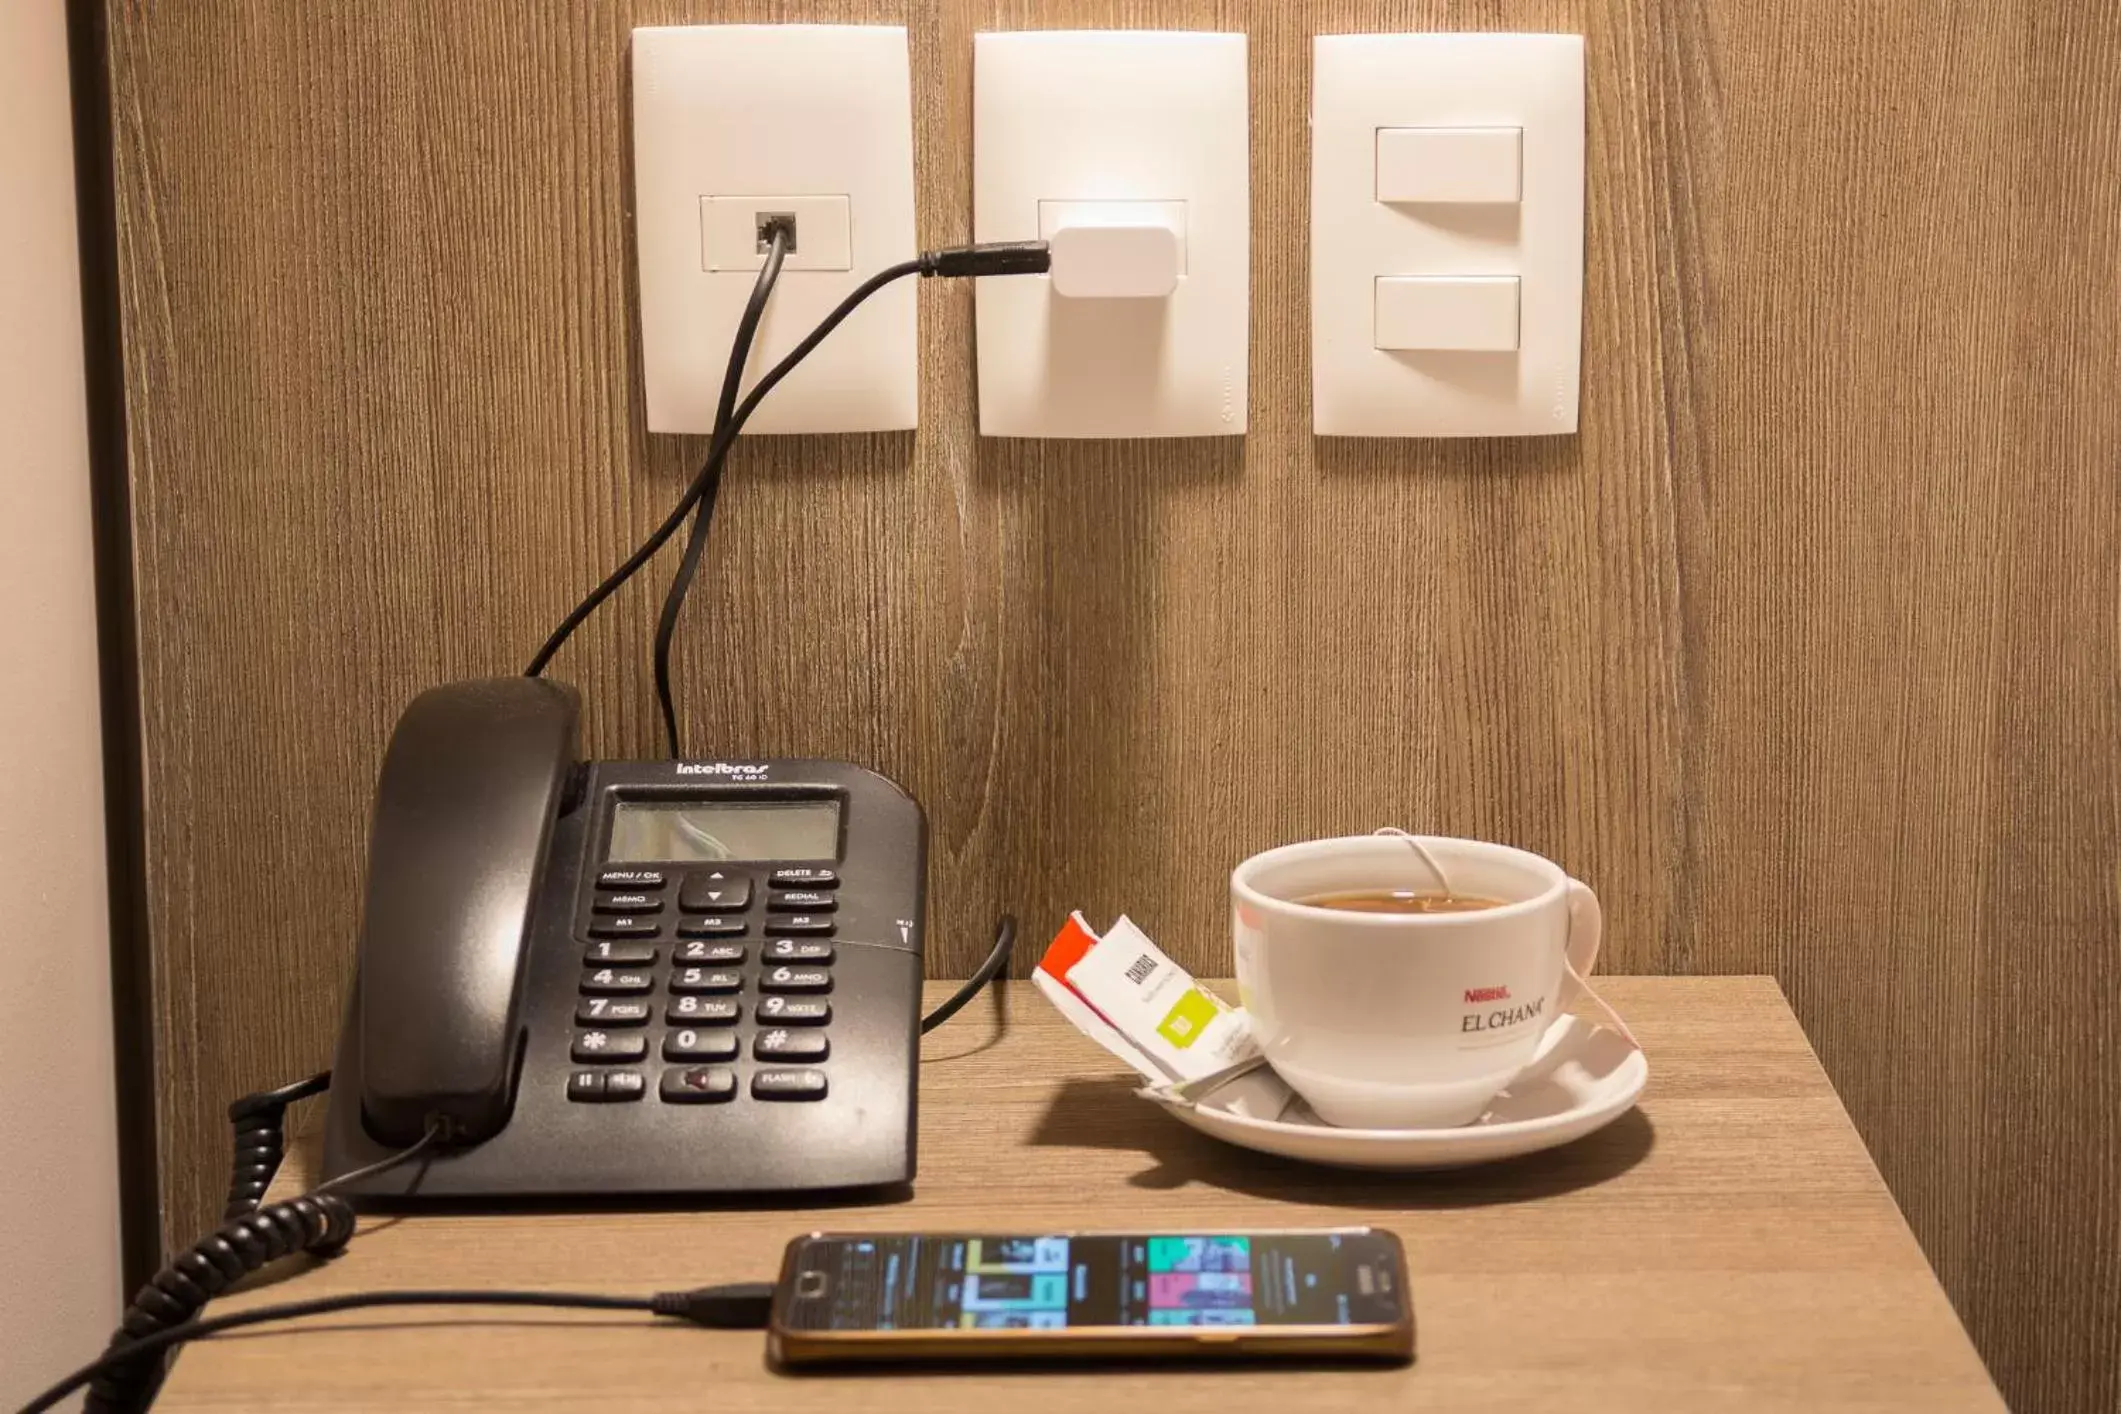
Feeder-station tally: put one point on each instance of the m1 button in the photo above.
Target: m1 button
(629, 926)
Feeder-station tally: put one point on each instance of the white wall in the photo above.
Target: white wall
(58, 1130)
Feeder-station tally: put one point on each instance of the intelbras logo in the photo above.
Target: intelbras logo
(731, 770)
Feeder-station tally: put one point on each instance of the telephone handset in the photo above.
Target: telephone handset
(626, 977)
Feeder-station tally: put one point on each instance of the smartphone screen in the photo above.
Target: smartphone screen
(1047, 1282)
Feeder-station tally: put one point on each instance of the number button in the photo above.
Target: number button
(698, 1085)
(703, 1011)
(714, 954)
(691, 1045)
(796, 979)
(610, 1011)
(609, 982)
(790, 1046)
(610, 1047)
(700, 979)
(795, 1011)
(796, 950)
(621, 954)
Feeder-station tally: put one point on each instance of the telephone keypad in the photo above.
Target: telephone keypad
(698, 1085)
(694, 1045)
(610, 982)
(794, 950)
(794, 1011)
(788, 1085)
(781, 1045)
(610, 1047)
(796, 979)
(702, 1041)
(611, 1011)
(703, 1011)
(701, 979)
(714, 954)
(620, 955)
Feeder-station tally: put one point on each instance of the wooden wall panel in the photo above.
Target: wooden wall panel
(1804, 651)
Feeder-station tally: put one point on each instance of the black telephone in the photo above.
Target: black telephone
(616, 977)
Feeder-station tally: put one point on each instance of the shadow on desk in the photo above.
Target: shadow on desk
(1106, 1114)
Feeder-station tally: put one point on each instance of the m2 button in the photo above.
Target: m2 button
(698, 1085)
(788, 1085)
(796, 979)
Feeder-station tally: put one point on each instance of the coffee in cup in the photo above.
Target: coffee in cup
(1399, 982)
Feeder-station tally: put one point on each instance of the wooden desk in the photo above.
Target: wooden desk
(1728, 1246)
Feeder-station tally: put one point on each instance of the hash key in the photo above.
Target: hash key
(778, 1045)
(797, 979)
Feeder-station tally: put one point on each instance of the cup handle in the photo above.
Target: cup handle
(1586, 932)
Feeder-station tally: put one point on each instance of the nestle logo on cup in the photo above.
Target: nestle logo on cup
(1475, 995)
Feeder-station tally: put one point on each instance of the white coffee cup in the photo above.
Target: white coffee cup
(1406, 1020)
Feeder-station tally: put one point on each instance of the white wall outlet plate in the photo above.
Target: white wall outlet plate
(731, 122)
(1088, 130)
(1446, 234)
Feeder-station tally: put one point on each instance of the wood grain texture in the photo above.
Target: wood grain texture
(1804, 652)
(1667, 1262)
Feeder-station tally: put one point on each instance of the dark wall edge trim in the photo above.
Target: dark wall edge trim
(110, 501)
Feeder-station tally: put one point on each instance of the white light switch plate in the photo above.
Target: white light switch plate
(811, 119)
(1114, 128)
(1495, 163)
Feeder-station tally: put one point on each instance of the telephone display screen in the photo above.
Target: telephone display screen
(1052, 1283)
(643, 830)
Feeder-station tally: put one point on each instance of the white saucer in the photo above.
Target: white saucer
(1589, 1077)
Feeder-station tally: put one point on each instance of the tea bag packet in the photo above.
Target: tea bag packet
(1123, 992)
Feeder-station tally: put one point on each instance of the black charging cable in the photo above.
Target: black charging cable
(736, 1306)
(703, 515)
(1005, 258)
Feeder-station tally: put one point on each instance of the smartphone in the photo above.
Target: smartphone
(864, 1297)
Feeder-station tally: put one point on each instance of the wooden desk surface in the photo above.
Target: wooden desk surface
(1728, 1246)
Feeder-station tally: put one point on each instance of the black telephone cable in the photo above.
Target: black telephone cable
(1002, 258)
(732, 381)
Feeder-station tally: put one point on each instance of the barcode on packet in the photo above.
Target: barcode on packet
(1138, 970)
